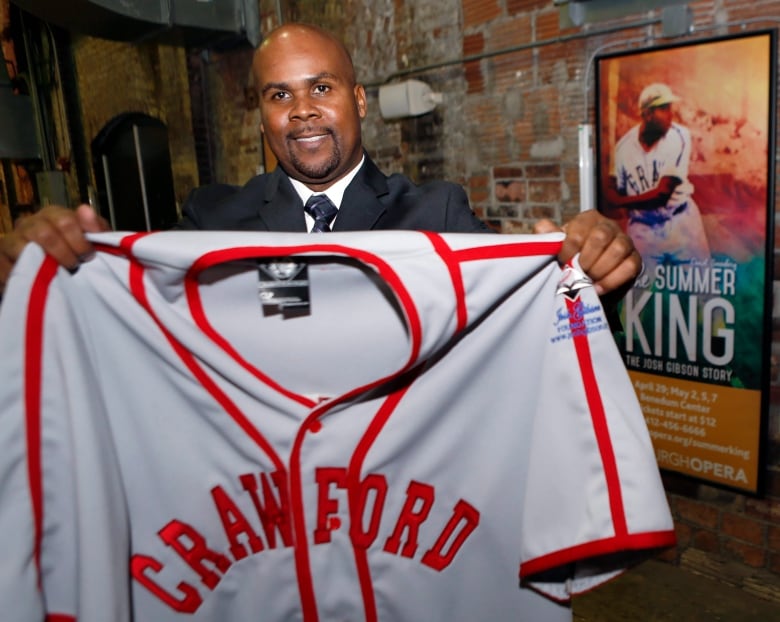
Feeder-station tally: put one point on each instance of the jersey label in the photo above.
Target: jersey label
(283, 287)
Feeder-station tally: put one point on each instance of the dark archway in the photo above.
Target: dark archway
(133, 173)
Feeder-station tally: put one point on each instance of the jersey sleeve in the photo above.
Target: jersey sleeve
(677, 158)
(594, 503)
(62, 521)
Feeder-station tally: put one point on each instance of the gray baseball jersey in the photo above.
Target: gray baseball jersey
(351, 426)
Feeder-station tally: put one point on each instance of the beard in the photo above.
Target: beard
(318, 170)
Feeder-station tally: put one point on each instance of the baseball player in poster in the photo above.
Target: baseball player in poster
(649, 183)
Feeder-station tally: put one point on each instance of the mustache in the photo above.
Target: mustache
(309, 130)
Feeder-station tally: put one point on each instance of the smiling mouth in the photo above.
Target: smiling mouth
(311, 135)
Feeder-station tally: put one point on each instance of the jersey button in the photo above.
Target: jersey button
(315, 426)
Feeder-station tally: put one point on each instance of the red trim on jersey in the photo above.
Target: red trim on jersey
(384, 270)
(302, 564)
(588, 550)
(599, 419)
(59, 617)
(445, 253)
(33, 378)
(515, 249)
(138, 290)
(126, 243)
(622, 540)
(353, 492)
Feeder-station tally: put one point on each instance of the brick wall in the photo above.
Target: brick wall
(508, 131)
(117, 77)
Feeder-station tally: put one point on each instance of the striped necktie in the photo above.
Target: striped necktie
(320, 207)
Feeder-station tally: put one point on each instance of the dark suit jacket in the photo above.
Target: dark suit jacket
(371, 201)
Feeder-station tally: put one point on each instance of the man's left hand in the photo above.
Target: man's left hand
(607, 255)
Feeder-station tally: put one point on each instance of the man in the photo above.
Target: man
(649, 181)
(311, 109)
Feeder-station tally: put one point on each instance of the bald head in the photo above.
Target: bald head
(293, 36)
(310, 104)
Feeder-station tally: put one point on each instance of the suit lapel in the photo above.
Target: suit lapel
(281, 209)
(361, 206)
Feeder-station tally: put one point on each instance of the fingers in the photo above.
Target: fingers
(90, 220)
(606, 254)
(58, 230)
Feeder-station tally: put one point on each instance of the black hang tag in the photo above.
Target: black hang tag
(283, 287)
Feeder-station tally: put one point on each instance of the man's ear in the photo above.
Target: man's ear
(360, 100)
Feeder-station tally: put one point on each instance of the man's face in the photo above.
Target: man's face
(310, 106)
(658, 119)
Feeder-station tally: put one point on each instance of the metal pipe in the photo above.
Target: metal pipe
(43, 142)
(516, 48)
(109, 194)
(141, 177)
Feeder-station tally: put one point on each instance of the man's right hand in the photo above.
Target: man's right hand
(59, 231)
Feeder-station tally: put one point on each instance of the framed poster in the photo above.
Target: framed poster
(685, 144)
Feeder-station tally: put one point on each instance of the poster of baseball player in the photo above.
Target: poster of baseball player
(685, 138)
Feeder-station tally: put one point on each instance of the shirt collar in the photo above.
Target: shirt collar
(335, 192)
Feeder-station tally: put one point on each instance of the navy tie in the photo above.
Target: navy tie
(320, 207)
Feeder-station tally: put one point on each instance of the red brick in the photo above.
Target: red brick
(476, 12)
(478, 188)
(684, 534)
(773, 538)
(478, 196)
(524, 135)
(474, 79)
(543, 170)
(765, 509)
(697, 513)
(509, 33)
(705, 540)
(479, 182)
(473, 44)
(742, 528)
(750, 555)
(508, 172)
(746, 11)
(510, 72)
(521, 6)
(547, 26)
